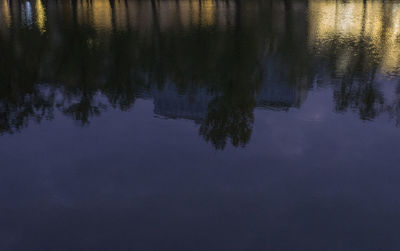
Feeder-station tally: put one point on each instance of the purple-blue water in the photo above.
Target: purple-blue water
(199, 125)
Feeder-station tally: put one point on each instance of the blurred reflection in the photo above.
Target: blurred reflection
(27, 18)
(212, 62)
(100, 14)
(40, 16)
(5, 14)
(359, 41)
(375, 24)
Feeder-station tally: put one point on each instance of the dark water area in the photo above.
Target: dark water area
(199, 125)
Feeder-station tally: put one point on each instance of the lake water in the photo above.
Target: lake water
(199, 125)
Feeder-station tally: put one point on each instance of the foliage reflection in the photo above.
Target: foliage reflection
(212, 62)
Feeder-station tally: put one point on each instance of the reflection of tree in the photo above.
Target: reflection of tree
(83, 109)
(225, 54)
(230, 114)
(16, 112)
(357, 89)
(358, 94)
(226, 59)
(122, 65)
(354, 53)
(228, 118)
(394, 107)
(21, 99)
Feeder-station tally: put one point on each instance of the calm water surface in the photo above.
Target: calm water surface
(205, 125)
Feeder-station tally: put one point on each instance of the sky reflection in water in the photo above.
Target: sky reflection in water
(214, 124)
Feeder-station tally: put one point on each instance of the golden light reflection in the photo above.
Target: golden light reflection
(391, 48)
(198, 13)
(6, 16)
(101, 15)
(373, 23)
(206, 13)
(143, 15)
(373, 20)
(328, 18)
(40, 16)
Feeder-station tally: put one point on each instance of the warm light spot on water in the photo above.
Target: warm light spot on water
(372, 28)
(207, 12)
(6, 13)
(391, 47)
(40, 16)
(102, 15)
(143, 15)
(328, 18)
(203, 12)
(373, 20)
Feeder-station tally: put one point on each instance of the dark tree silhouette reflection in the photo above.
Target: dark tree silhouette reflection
(225, 57)
(228, 119)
